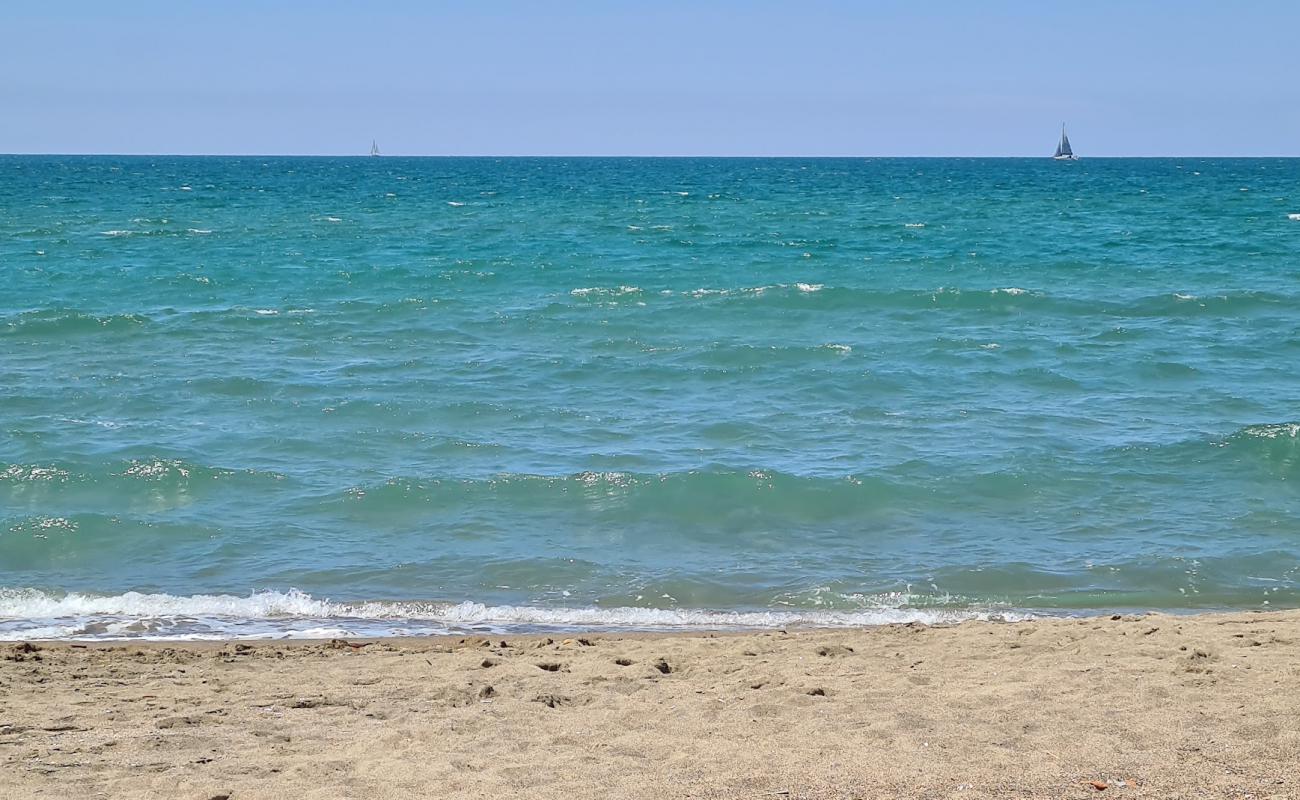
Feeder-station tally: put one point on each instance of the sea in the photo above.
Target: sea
(248, 397)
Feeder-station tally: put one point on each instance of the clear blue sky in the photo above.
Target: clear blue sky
(654, 78)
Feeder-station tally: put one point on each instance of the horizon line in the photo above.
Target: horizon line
(618, 155)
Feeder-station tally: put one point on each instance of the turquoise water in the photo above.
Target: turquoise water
(280, 396)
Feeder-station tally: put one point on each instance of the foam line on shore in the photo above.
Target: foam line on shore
(34, 614)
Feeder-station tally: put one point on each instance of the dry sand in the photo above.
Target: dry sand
(1154, 706)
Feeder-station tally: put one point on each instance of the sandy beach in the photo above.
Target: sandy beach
(1144, 706)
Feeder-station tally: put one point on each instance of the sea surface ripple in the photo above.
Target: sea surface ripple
(319, 396)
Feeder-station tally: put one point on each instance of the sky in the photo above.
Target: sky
(499, 77)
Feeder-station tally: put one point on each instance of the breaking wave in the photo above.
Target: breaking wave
(34, 614)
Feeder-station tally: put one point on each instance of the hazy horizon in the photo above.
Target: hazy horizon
(682, 156)
(590, 79)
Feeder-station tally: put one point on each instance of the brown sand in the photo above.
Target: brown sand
(1154, 706)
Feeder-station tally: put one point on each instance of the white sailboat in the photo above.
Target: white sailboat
(1063, 151)
(374, 147)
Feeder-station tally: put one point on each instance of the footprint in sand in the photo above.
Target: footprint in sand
(833, 650)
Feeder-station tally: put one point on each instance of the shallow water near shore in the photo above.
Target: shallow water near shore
(292, 396)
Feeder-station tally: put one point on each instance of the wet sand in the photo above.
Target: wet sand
(1146, 706)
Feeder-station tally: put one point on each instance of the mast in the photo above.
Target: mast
(1063, 149)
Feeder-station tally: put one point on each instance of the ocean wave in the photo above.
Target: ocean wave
(995, 300)
(1184, 304)
(603, 291)
(804, 294)
(1284, 430)
(1272, 449)
(689, 497)
(55, 322)
(19, 473)
(1267, 449)
(36, 614)
(156, 473)
(154, 232)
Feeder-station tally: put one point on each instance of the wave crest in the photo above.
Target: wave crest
(34, 614)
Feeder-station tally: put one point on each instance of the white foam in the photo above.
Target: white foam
(155, 469)
(19, 472)
(1285, 430)
(116, 233)
(103, 423)
(755, 291)
(1295, 217)
(34, 614)
(615, 291)
(33, 603)
(49, 523)
(913, 224)
(678, 618)
(1011, 290)
(454, 203)
(839, 348)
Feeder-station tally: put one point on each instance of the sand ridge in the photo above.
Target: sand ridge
(1145, 706)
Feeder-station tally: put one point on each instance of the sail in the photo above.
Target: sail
(374, 147)
(1063, 149)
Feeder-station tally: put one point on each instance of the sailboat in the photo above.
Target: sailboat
(374, 147)
(1063, 151)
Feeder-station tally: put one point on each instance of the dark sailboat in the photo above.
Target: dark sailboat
(1063, 151)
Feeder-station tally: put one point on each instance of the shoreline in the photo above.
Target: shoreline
(560, 632)
(511, 629)
(1154, 705)
(34, 614)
